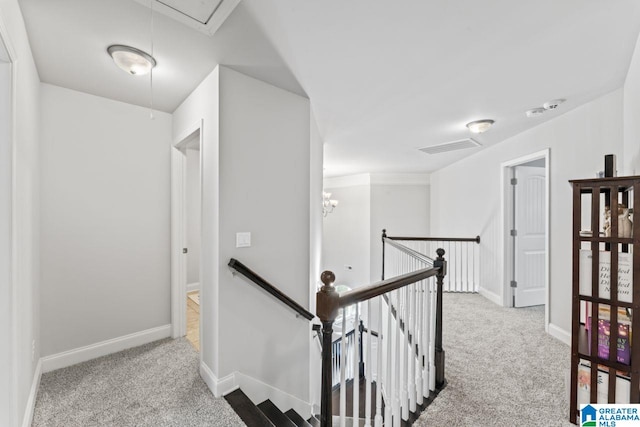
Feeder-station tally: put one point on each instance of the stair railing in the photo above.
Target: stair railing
(269, 288)
(463, 256)
(409, 343)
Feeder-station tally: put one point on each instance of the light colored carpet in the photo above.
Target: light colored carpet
(502, 368)
(156, 385)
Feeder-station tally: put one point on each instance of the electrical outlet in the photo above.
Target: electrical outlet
(33, 350)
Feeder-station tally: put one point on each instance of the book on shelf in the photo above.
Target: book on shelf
(623, 344)
(625, 275)
(623, 385)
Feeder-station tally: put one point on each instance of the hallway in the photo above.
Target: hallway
(513, 376)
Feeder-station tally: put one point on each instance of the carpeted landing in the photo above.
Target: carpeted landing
(501, 367)
(155, 385)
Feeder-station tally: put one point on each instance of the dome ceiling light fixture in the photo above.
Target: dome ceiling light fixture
(131, 60)
(480, 126)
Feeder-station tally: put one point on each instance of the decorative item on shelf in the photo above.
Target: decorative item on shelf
(328, 204)
(625, 225)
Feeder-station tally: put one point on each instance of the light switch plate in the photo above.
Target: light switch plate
(243, 240)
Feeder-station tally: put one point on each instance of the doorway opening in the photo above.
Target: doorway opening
(186, 236)
(526, 231)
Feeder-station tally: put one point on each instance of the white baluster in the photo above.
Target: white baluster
(388, 372)
(397, 371)
(420, 338)
(368, 370)
(381, 339)
(412, 347)
(343, 372)
(432, 322)
(356, 367)
(402, 353)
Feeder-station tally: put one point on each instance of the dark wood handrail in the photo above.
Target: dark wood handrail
(272, 290)
(329, 302)
(376, 289)
(437, 239)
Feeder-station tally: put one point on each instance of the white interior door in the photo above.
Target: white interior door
(529, 240)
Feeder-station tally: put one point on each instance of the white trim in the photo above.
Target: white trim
(505, 210)
(258, 391)
(31, 401)
(400, 179)
(82, 354)
(491, 296)
(377, 179)
(560, 334)
(195, 286)
(219, 387)
(178, 228)
(347, 181)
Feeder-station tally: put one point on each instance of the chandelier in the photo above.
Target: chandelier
(328, 204)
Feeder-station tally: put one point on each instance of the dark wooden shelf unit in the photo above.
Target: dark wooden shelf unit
(605, 192)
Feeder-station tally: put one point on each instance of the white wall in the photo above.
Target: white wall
(105, 219)
(256, 178)
(369, 203)
(21, 292)
(465, 197)
(630, 164)
(346, 235)
(264, 189)
(402, 209)
(193, 215)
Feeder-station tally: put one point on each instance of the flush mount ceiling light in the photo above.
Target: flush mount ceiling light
(480, 126)
(132, 60)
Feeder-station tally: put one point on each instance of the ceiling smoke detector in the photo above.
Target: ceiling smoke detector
(451, 146)
(535, 112)
(553, 104)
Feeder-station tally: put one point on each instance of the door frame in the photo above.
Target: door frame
(179, 230)
(9, 332)
(506, 209)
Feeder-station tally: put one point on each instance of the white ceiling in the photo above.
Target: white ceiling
(384, 78)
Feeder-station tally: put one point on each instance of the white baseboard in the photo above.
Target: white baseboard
(219, 387)
(255, 389)
(31, 401)
(195, 286)
(258, 392)
(560, 334)
(82, 354)
(494, 298)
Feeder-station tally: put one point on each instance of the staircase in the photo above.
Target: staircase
(266, 413)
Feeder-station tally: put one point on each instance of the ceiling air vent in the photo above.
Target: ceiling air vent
(451, 146)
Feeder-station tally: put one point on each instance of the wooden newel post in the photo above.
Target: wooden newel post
(327, 304)
(442, 265)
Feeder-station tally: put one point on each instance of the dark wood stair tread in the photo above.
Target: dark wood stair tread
(296, 418)
(314, 422)
(246, 410)
(275, 415)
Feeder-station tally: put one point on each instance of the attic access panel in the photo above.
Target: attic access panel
(203, 15)
(199, 10)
